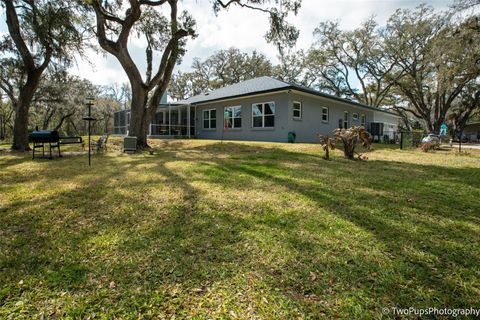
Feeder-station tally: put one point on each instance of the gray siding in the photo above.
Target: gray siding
(311, 123)
(306, 128)
(246, 132)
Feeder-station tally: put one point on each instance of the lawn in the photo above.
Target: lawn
(204, 229)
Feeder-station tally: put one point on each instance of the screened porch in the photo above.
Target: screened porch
(173, 121)
(169, 121)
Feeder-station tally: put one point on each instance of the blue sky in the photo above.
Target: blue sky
(244, 29)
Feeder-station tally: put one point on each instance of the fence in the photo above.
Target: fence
(387, 137)
(411, 139)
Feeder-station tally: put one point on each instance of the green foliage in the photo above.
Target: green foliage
(338, 56)
(440, 58)
(48, 26)
(224, 67)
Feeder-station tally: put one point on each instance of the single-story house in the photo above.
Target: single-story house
(472, 132)
(263, 109)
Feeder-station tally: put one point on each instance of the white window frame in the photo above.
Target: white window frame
(300, 109)
(233, 117)
(328, 114)
(263, 114)
(209, 118)
(355, 116)
(348, 119)
(363, 120)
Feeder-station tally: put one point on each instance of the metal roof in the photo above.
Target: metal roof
(243, 88)
(262, 85)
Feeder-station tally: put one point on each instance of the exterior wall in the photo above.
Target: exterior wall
(121, 122)
(472, 132)
(278, 133)
(306, 128)
(390, 124)
(390, 121)
(311, 124)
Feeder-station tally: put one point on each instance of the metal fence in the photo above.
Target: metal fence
(411, 139)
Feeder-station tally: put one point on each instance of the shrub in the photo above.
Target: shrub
(327, 144)
(350, 138)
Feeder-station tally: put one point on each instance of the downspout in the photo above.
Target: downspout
(169, 120)
(188, 121)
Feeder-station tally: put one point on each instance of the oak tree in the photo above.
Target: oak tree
(40, 33)
(117, 20)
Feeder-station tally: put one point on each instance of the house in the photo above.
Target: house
(472, 132)
(263, 109)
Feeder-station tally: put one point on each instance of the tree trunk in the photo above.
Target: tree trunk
(20, 127)
(139, 119)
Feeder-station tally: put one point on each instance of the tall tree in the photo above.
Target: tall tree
(113, 30)
(461, 5)
(360, 54)
(467, 107)
(440, 57)
(39, 33)
(166, 35)
(291, 67)
(58, 98)
(224, 67)
(6, 115)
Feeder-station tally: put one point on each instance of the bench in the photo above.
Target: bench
(72, 140)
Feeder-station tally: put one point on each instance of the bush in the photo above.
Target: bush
(350, 137)
(428, 146)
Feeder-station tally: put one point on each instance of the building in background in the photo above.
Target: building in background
(263, 109)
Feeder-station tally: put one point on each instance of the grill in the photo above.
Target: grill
(45, 137)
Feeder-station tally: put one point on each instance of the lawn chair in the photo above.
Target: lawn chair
(100, 144)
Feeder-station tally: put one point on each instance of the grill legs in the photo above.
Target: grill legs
(37, 145)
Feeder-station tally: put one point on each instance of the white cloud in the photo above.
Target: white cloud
(245, 29)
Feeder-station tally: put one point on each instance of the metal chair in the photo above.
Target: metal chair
(100, 144)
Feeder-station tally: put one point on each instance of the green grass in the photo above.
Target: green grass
(203, 229)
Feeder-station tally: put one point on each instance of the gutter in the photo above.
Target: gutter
(288, 89)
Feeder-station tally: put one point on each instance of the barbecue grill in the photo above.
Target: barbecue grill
(44, 137)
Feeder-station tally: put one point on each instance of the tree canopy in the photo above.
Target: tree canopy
(39, 33)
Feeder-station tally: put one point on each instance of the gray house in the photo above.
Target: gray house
(262, 109)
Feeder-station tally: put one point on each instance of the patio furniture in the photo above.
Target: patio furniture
(72, 140)
(100, 144)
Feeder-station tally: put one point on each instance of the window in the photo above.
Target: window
(355, 116)
(324, 114)
(263, 115)
(233, 117)
(209, 119)
(362, 120)
(345, 120)
(297, 110)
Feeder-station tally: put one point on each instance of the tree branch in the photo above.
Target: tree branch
(14, 30)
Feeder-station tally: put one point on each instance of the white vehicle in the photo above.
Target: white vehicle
(432, 138)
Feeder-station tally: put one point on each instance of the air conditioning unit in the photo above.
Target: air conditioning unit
(130, 144)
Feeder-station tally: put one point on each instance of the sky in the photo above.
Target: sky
(244, 29)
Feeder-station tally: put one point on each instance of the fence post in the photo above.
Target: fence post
(460, 142)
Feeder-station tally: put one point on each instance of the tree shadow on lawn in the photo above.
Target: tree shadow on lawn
(174, 254)
(427, 240)
(92, 237)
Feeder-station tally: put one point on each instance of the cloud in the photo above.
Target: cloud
(244, 29)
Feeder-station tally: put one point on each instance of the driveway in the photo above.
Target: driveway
(467, 146)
